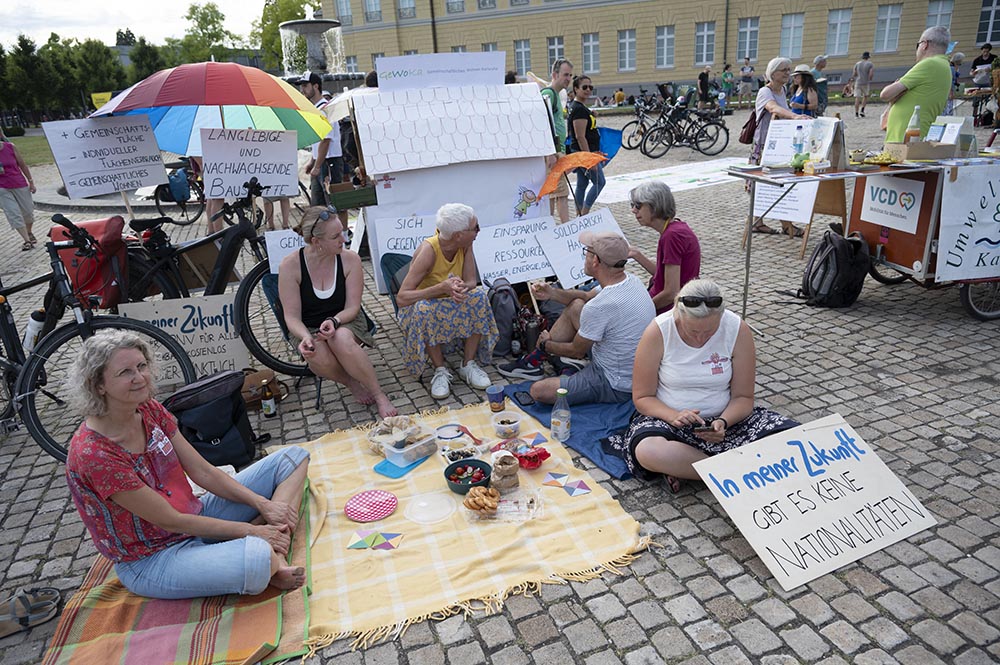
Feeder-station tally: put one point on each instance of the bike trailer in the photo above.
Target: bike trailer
(96, 276)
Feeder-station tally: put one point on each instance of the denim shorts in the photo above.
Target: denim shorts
(198, 567)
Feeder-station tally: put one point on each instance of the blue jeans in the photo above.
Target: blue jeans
(583, 178)
(197, 567)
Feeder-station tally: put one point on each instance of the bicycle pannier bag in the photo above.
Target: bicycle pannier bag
(180, 189)
(836, 271)
(749, 129)
(100, 275)
(211, 415)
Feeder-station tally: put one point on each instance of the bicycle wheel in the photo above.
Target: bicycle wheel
(260, 322)
(711, 139)
(981, 299)
(42, 384)
(884, 274)
(181, 212)
(657, 142)
(632, 134)
(145, 283)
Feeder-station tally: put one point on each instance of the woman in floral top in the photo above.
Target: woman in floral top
(128, 470)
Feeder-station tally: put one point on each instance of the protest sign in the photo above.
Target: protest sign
(892, 202)
(204, 326)
(105, 155)
(431, 70)
(561, 244)
(279, 245)
(233, 156)
(797, 206)
(511, 250)
(813, 499)
(969, 240)
(402, 235)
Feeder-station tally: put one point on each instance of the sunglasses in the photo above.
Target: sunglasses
(694, 301)
(323, 216)
(587, 87)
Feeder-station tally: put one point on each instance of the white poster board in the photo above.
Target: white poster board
(233, 156)
(892, 202)
(402, 235)
(279, 245)
(692, 175)
(511, 250)
(203, 325)
(813, 499)
(797, 206)
(969, 238)
(562, 246)
(431, 70)
(105, 155)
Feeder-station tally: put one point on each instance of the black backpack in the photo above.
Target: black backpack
(503, 301)
(836, 271)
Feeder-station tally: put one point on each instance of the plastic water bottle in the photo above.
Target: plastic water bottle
(33, 329)
(798, 140)
(560, 416)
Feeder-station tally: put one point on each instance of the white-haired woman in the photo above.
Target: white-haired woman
(771, 101)
(693, 389)
(440, 302)
(678, 252)
(128, 470)
(320, 289)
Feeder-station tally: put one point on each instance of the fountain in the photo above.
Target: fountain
(312, 44)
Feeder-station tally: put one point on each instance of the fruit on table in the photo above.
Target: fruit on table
(465, 475)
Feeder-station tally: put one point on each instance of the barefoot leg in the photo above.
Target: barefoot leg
(385, 407)
(361, 394)
(286, 577)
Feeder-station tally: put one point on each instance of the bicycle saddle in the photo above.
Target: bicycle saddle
(140, 225)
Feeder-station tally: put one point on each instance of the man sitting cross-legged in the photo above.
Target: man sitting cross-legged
(607, 322)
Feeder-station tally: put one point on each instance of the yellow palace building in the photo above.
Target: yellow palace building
(633, 43)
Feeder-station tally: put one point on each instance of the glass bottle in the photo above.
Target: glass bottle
(913, 128)
(560, 416)
(268, 404)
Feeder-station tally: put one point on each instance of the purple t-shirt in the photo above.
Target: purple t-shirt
(678, 246)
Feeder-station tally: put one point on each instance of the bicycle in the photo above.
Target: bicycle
(34, 386)
(634, 131)
(704, 131)
(190, 209)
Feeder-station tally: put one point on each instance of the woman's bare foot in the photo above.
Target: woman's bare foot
(361, 394)
(289, 577)
(385, 407)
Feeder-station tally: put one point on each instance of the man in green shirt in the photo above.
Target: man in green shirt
(562, 76)
(926, 85)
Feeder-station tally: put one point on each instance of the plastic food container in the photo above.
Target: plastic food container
(507, 424)
(422, 444)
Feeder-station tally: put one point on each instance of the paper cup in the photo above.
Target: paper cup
(497, 400)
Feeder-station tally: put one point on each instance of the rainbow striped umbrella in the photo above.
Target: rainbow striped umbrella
(182, 101)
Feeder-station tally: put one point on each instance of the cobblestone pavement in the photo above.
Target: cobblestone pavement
(912, 372)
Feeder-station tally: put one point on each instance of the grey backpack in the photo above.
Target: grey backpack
(503, 301)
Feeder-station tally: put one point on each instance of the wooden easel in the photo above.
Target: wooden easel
(831, 199)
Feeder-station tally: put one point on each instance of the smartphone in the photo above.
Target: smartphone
(703, 428)
(524, 398)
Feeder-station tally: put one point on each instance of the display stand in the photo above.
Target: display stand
(831, 199)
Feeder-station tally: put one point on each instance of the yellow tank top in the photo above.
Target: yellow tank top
(442, 267)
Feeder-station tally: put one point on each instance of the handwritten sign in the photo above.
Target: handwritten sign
(511, 250)
(233, 156)
(892, 202)
(813, 499)
(969, 239)
(204, 326)
(279, 245)
(562, 247)
(402, 235)
(105, 155)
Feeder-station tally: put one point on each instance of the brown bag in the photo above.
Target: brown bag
(252, 381)
(749, 129)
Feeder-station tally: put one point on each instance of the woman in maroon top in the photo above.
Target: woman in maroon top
(128, 470)
(678, 252)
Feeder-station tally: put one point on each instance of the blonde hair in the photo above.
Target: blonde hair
(86, 375)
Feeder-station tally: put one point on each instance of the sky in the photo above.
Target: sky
(101, 19)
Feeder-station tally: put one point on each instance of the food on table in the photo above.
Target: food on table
(482, 500)
(466, 475)
(461, 453)
(881, 158)
(504, 477)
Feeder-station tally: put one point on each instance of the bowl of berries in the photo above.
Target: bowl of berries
(466, 474)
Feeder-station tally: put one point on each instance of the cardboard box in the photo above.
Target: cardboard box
(963, 144)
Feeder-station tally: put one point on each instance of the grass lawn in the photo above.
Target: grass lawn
(34, 149)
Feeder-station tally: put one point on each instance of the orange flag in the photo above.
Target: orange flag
(566, 163)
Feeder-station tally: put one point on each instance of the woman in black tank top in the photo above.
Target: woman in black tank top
(320, 290)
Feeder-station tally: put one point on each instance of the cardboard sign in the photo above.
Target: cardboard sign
(233, 156)
(969, 238)
(431, 70)
(562, 247)
(813, 499)
(279, 245)
(892, 202)
(512, 251)
(204, 326)
(105, 155)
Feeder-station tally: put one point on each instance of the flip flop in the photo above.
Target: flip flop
(26, 246)
(24, 614)
(763, 228)
(673, 484)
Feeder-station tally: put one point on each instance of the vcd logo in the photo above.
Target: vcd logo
(890, 197)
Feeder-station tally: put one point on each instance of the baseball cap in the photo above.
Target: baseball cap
(819, 58)
(610, 248)
(310, 77)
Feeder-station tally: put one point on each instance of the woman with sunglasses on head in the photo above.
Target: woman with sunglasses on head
(320, 290)
(585, 138)
(693, 389)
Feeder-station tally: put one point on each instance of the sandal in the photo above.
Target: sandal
(764, 228)
(26, 246)
(673, 484)
(25, 614)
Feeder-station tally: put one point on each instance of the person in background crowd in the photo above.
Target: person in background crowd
(678, 252)
(371, 79)
(819, 64)
(746, 82)
(562, 76)
(727, 82)
(926, 85)
(510, 77)
(983, 77)
(956, 61)
(693, 388)
(861, 79)
(311, 86)
(585, 138)
(805, 97)
(440, 302)
(619, 97)
(16, 188)
(704, 90)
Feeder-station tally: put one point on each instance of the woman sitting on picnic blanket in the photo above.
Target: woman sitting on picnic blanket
(439, 302)
(128, 471)
(320, 289)
(693, 388)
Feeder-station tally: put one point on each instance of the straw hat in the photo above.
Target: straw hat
(802, 69)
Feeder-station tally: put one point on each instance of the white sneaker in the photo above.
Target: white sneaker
(441, 383)
(472, 374)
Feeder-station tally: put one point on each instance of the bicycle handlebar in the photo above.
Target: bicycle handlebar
(84, 242)
(253, 187)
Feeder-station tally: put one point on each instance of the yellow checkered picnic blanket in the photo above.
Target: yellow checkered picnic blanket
(457, 565)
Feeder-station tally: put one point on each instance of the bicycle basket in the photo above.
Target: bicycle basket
(96, 275)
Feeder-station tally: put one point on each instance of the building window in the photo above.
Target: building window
(455, 6)
(351, 64)
(557, 49)
(406, 8)
(746, 38)
(664, 46)
(939, 12)
(344, 12)
(411, 51)
(514, 3)
(626, 50)
(989, 22)
(887, 28)
(489, 47)
(373, 11)
(458, 49)
(704, 43)
(791, 35)
(838, 31)
(375, 57)
(522, 56)
(591, 53)
(487, 4)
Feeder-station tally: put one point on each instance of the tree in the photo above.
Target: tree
(98, 68)
(206, 35)
(61, 91)
(124, 37)
(275, 13)
(24, 69)
(146, 60)
(6, 99)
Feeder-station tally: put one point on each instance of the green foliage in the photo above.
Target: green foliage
(34, 150)
(206, 35)
(275, 13)
(11, 132)
(124, 37)
(24, 69)
(98, 68)
(60, 90)
(146, 60)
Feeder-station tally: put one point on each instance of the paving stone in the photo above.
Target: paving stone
(900, 606)
(773, 612)
(584, 637)
(664, 585)
(756, 637)
(974, 657)
(942, 639)
(853, 607)
(648, 613)
(496, 631)
(564, 614)
(537, 630)
(512, 655)
(606, 607)
(729, 656)
(727, 610)
(844, 636)
(746, 588)
(629, 591)
(643, 656)
(466, 653)
(707, 634)
(428, 655)
(974, 629)
(685, 609)
(884, 632)
(917, 655)
(813, 608)
(453, 630)
(552, 653)
(875, 657)
(806, 642)
(936, 601)
(417, 635)
(522, 606)
(671, 643)
(383, 654)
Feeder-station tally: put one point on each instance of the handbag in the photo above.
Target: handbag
(749, 129)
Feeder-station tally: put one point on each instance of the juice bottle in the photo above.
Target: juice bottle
(913, 129)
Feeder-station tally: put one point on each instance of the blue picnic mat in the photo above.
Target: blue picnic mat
(590, 424)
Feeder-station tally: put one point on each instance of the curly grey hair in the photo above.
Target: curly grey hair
(701, 288)
(454, 218)
(87, 373)
(657, 195)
